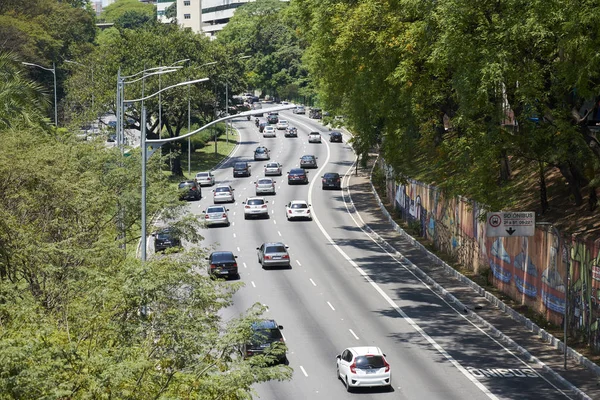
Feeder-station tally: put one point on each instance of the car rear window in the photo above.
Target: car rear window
(272, 166)
(185, 184)
(256, 202)
(366, 362)
(265, 182)
(202, 174)
(331, 175)
(163, 235)
(260, 150)
(297, 172)
(307, 158)
(222, 257)
(240, 166)
(266, 336)
(298, 205)
(215, 210)
(283, 121)
(222, 189)
(275, 249)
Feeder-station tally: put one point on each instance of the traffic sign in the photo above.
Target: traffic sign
(510, 224)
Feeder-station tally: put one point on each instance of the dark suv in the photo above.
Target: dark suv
(222, 264)
(164, 239)
(267, 339)
(335, 136)
(241, 169)
(189, 190)
(272, 118)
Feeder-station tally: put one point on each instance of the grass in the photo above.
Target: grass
(205, 159)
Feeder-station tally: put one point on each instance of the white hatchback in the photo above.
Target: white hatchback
(314, 137)
(269, 132)
(364, 366)
(297, 209)
(255, 207)
(282, 124)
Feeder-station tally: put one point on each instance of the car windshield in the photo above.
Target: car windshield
(265, 182)
(255, 202)
(366, 362)
(299, 205)
(222, 257)
(275, 249)
(222, 189)
(215, 210)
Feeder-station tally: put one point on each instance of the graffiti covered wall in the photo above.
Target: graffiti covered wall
(531, 270)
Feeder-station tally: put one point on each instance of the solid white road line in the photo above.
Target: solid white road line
(353, 334)
(331, 306)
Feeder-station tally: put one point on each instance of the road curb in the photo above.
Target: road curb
(530, 325)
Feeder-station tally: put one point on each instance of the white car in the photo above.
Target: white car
(269, 131)
(314, 137)
(205, 178)
(223, 194)
(364, 366)
(273, 168)
(282, 124)
(265, 186)
(297, 209)
(255, 207)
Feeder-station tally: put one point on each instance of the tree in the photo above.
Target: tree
(133, 19)
(116, 10)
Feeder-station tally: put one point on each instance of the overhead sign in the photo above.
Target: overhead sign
(510, 224)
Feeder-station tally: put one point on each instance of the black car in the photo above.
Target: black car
(331, 180)
(315, 113)
(308, 161)
(189, 190)
(222, 264)
(297, 175)
(241, 169)
(335, 136)
(267, 340)
(272, 119)
(292, 131)
(261, 126)
(164, 239)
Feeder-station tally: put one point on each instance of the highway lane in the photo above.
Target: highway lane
(326, 304)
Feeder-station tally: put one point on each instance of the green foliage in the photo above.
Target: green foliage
(134, 19)
(117, 11)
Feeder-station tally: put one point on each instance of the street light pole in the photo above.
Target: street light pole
(53, 70)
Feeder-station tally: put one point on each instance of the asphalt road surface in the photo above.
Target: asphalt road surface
(344, 290)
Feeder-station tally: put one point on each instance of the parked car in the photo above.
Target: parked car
(273, 168)
(335, 136)
(223, 194)
(308, 161)
(363, 366)
(262, 153)
(264, 186)
(315, 113)
(300, 110)
(297, 209)
(189, 190)
(266, 340)
(242, 168)
(222, 264)
(269, 131)
(273, 255)
(205, 178)
(314, 137)
(255, 207)
(331, 180)
(282, 124)
(297, 175)
(292, 131)
(216, 215)
(166, 238)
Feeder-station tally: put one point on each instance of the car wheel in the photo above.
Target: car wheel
(348, 387)
(245, 217)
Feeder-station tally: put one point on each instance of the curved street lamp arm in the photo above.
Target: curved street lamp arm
(163, 71)
(39, 66)
(166, 88)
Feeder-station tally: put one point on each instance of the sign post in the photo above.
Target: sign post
(509, 223)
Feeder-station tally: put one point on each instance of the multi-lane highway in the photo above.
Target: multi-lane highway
(344, 290)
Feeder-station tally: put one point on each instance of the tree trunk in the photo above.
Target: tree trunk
(593, 199)
(574, 184)
(543, 190)
(505, 171)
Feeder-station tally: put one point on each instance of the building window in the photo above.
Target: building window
(186, 3)
(187, 16)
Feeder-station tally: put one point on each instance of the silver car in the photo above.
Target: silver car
(205, 178)
(265, 186)
(273, 255)
(216, 215)
(314, 137)
(262, 153)
(273, 168)
(223, 194)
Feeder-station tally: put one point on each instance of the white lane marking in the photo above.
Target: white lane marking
(331, 306)
(386, 297)
(234, 235)
(275, 222)
(311, 281)
(279, 233)
(272, 211)
(298, 263)
(304, 371)
(353, 334)
(234, 213)
(233, 223)
(460, 314)
(284, 339)
(238, 249)
(273, 201)
(252, 282)
(244, 264)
